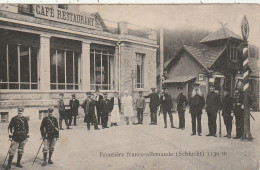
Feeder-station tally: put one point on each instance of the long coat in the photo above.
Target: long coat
(74, 105)
(181, 102)
(227, 105)
(197, 102)
(166, 102)
(212, 102)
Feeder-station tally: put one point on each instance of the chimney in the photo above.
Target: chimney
(123, 27)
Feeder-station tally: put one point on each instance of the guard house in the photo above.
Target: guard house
(219, 62)
(48, 49)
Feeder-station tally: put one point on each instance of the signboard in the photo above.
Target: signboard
(61, 15)
(245, 28)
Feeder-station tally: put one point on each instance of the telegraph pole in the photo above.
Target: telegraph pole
(161, 59)
(245, 32)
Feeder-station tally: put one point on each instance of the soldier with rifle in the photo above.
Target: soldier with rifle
(50, 134)
(18, 134)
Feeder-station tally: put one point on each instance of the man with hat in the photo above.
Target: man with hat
(212, 107)
(227, 108)
(166, 106)
(50, 134)
(239, 111)
(105, 108)
(89, 109)
(140, 107)
(74, 106)
(18, 133)
(197, 102)
(154, 104)
(62, 113)
(98, 99)
(181, 107)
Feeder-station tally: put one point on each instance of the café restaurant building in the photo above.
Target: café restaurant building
(49, 49)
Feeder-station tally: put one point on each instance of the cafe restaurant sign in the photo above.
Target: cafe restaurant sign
(61, 15)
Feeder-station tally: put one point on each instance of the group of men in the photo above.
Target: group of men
(19, 129)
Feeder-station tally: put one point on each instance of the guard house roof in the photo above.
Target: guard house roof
(222, 33)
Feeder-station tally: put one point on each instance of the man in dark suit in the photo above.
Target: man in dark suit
(166, 106)
(74, 105)
(227, 107)
(181, 107)
(62, 112)
(98, 99)
(105, 108)
(154, 104)
(212, 107)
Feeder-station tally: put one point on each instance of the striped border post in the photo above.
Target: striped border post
(247, 134)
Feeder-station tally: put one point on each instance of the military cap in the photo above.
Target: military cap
(50, 110)
(88, 93)
(61, 94)
(73, 95)
(20, 109)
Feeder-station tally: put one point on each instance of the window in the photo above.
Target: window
(18, 67)
(62, 6)
(64, 69)
(101, 70)
(4, 117)
(42, 114)
(139, 70)
(233, 53)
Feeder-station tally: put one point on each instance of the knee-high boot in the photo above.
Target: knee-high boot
(50, 155)
(18, 164)
(10, 159)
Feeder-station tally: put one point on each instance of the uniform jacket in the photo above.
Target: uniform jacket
(74, 105)
(181, 102)
(140, 102)
(154, 100)
(227, 105)
(197, 102)
(91, 108)
(166, 102)
(112, 103)
(212, 102)
(19, 128)
(105, 106)
(49, 128)
(238, 102)
(61, 106)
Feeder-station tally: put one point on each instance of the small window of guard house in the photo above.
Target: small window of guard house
(233, 53)
(4, 117)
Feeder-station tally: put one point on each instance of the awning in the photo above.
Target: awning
(181, 79)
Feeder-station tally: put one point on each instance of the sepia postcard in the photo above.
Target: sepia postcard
(129, 87)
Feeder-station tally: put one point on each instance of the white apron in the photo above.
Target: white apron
(115, 114)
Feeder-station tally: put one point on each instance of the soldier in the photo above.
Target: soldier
(154, 104)
(74, 106)
(62, 112)
(89, 110)
(18, 133)
(50, 134)
(181, 107)
(140, 107)
(212, 107)
(166, 106)
(239, 112)
(98, 99)
(105, 108)
(227, 107)
(197, 102)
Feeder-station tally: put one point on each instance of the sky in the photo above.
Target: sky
(189, 17)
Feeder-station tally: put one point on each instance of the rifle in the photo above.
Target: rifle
(7, 154)
(219, 123)
(38, 152)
